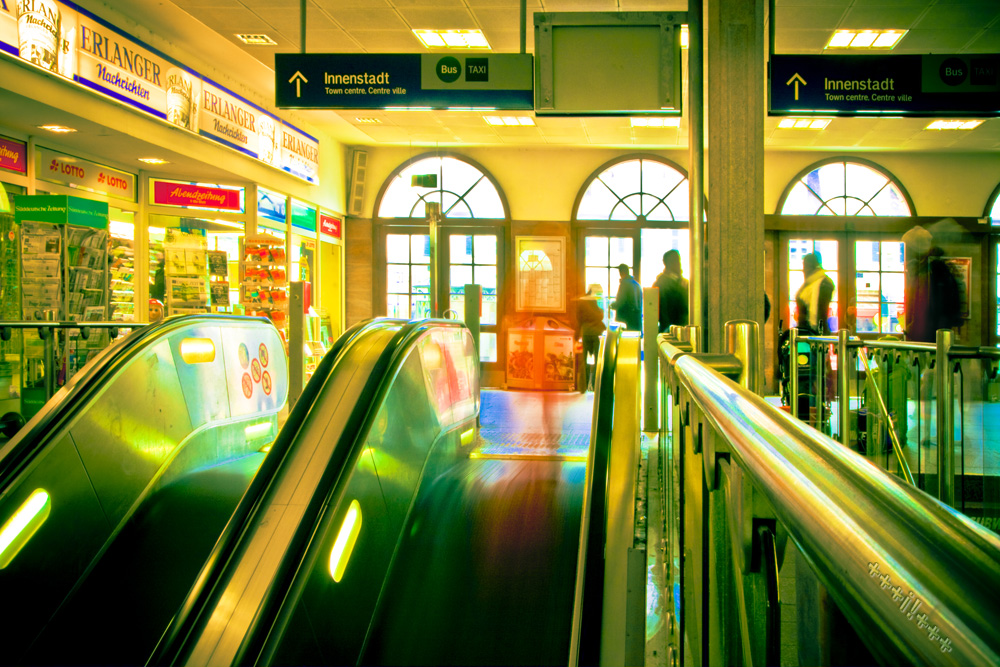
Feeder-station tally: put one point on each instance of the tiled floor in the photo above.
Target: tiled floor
(534, 425)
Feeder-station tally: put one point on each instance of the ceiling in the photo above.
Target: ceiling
(384, 26)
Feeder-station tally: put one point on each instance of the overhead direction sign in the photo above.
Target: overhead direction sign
(918, 85)
(376, 81)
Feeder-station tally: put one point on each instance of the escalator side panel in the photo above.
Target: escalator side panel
(262, 347)
(133, 429)
(203, 381)
(61, 548)
(333, 615)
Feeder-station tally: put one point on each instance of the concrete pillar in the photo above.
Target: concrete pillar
(734, 236)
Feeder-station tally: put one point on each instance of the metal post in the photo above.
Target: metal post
(945, 419)
(651, 358)
(302, 25)
(296, 341)
(696, 174)
(524, 26)
(743, 342)
(844, 388)
(692, 334)
(793, 370)
(49, 368)
(433, 215)
(473, 310)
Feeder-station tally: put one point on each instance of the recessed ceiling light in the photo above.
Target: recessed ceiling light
(256, 39)
(684, 36)
(954, 125)
(865, 39)
(803, 123)
(509, 120)
(368, 121)
(56, 128)
(452, 39)
(655, 121)
(153, 160)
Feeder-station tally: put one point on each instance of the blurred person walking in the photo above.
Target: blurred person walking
(673, 288)
(628, 300)
(932, 297)
(590, 326)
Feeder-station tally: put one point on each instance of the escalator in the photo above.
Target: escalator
(156, 429)
(332, 547)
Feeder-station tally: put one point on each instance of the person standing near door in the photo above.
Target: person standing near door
(628, 300)
(673, 292)
(932, 296)
(812, 301)
(590, 326)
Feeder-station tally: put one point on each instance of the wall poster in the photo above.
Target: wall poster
(541, 273)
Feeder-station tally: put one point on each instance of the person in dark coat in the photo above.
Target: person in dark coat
(932, 294)
(673, 292)
(590, 326)
(628, 301)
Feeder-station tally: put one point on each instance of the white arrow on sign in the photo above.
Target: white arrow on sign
(299, 80)
(797, 79)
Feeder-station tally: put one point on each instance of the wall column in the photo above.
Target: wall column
(734, 236)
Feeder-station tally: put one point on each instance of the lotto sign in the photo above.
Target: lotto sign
(58, 167)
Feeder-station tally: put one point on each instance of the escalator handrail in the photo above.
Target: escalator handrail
(86, 384)
(211, 572)
(589, 600)
(176, 644)
(867, 535)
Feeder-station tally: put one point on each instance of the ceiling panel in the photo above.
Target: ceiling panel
(368, 19)
(936, 41)
(960, 15)
(387, 41)
(808, 18)
(877, 17)
(438, 19)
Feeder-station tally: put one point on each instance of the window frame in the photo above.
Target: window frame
(847, 160)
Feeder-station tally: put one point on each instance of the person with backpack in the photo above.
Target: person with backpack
(932, 298)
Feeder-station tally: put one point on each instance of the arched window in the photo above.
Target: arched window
(640, 189)
(993, 208)
(462, 189)
(845, 187)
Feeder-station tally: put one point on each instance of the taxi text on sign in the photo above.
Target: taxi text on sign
(919, 85)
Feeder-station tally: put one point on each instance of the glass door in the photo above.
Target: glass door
(602, 253)
(471, 257)
(827, 251)
(878, 288)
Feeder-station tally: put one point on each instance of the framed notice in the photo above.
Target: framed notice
(961, 268)
(541, 273)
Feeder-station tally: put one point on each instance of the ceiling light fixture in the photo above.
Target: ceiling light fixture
(368, 121)
(452, 39)
(864, 39)
(153, 160)
(684, 36)
(803, 123)
(59, 129)
(954, 125)
(655, 121)
(509, 120)
(256, 39)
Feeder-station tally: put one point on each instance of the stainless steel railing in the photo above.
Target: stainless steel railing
(918, 582)
(943, 358)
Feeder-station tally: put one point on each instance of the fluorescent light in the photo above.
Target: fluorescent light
(256, 39)
(655, 121)
(865, 39)
(452, 39)
(369, 121)
(954, 125)
(59, 129)
(257, 430)
(841, 38)
(685, 38)
(153, 160)
(346, 538)
(887, 39)
(513, 121)
(803, 123)
(197, 350)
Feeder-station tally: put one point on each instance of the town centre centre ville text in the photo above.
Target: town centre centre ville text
(355, 79)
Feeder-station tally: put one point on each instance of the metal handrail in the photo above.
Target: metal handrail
(904, 467)
(917, 580)
(956, 351)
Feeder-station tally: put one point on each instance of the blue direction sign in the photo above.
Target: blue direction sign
(375, 81)
(919, 85)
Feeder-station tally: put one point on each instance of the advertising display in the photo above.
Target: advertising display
(190, 195)
(75, 172)
(69, 41)
(13, 155)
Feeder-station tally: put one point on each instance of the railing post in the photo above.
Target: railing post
(691, 334)
(473, 315)
(651, 357)
(793, 370)
(945, 419)
(743, 342)
(843, 388)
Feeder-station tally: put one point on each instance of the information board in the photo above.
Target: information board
(918, 85)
